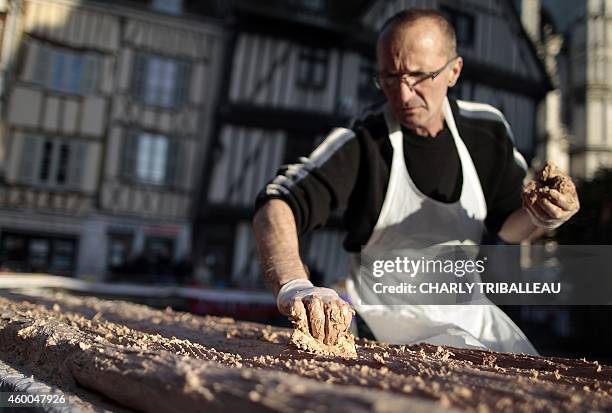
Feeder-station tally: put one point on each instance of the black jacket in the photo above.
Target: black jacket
(350, 170)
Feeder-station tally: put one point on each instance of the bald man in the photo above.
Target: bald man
(422, 170)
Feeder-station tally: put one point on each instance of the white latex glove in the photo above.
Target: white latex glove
(315, 310)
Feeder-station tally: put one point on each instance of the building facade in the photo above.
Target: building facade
(290, 78)
(105, 116)
(578, 35)
(299, 68)
(589, 92)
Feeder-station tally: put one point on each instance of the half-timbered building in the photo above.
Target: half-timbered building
(107, 110)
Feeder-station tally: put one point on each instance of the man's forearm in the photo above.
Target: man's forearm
(518, 227)
(277, 244)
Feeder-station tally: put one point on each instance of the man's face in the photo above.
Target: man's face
(415, 50)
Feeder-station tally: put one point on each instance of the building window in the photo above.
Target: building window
(62, 257)
(174, 7)
(66, 71)
(160, 246)
(119, 250)
(366, 88)
(161, 81)
(38, 253)
(160, 252)
(150, 159)
(312, 68)
(464, 24)
(52, 162)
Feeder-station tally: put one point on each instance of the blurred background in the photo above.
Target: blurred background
(135, 135)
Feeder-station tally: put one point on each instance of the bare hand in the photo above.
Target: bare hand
(550, 207)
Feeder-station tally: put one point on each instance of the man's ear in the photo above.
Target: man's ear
(455, 71)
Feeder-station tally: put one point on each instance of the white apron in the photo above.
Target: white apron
(410, 219)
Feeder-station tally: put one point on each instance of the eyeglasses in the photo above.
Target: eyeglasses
(409, 79)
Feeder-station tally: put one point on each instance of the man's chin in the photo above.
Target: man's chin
(410, 122)
(409, 115)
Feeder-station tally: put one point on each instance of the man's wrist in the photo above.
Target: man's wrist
(278, 275)
(537, 222)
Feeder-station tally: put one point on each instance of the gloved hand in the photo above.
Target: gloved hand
(317, 311)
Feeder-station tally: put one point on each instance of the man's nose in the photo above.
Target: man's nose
(406, 92)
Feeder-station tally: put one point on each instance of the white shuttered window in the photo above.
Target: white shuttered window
(52, 162)
(65, 70)
(151, 159)
(160, 81)
(312, 68)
